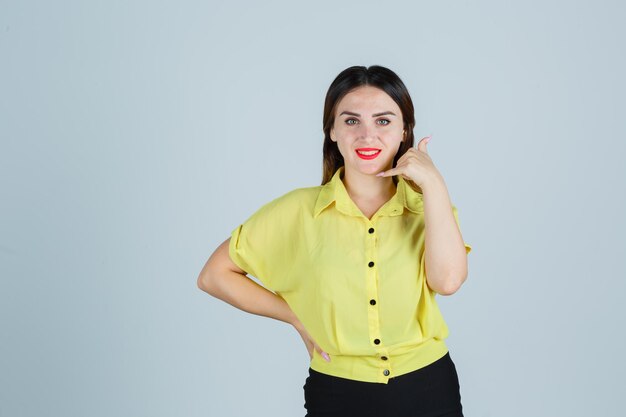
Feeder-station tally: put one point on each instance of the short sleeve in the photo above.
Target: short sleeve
(468, 247)
(260, 245)
(242, 252)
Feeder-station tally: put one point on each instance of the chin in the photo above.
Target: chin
(372, 167)
(369, 169)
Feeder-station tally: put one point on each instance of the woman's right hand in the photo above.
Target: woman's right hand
(309, 342)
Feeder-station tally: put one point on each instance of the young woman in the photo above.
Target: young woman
(354, 264)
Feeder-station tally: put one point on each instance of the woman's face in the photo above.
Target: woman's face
(368, 118)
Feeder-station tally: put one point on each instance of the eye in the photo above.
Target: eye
(384, 120)
(350, 120)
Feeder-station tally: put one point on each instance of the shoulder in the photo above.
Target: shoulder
(290, 204)
(303, 197)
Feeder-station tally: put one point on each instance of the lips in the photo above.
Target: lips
(369, 153)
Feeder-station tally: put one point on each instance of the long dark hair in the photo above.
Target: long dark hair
(348, 80)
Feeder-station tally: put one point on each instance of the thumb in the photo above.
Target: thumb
(422, 143)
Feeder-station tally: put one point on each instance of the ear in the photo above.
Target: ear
(332, 134)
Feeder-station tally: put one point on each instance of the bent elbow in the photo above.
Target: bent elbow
(454, 284)
(447, 291)
(205, 283)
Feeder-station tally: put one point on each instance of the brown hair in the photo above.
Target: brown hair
(350, 79)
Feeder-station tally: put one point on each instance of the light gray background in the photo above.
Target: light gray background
(136, 135)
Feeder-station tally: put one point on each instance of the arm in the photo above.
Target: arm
(223, 279)
(445, 254)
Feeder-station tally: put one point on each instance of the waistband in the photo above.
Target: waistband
(375, 368)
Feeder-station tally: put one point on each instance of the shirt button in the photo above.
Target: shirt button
(386, 372)
(372, 302)
(371, 264)
(377, 341)
(371, 230)
(383, 358)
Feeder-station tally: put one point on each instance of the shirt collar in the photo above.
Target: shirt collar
(335, 190)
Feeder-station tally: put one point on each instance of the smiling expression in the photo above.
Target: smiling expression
(368, 129)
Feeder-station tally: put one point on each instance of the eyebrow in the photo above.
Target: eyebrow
(373, 115)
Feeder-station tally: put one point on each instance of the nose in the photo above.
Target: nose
(367, 131)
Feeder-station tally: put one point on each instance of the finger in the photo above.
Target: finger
(393, 171)
(412, 153)
(324, 354)
(404, 156)
(422, 144)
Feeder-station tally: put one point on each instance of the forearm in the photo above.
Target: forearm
(445, 255)
(242, 292)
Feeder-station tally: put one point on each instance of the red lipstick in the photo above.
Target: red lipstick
(369, 151)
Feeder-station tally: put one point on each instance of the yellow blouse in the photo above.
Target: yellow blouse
(357, 285)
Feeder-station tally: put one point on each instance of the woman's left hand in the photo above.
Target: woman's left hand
(414, 165)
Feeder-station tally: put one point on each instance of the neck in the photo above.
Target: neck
(368, 187)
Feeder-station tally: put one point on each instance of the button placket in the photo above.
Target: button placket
(385, 364)
(372, 293)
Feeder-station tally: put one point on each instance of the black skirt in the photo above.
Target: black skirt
(431, 391)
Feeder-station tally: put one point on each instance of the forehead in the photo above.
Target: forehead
(367, 97)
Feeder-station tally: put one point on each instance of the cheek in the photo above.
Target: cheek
(343, 131)
(395, 133)
(393, 139)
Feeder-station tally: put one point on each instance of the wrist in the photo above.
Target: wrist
(434, 182)
(291, 317)
(285, 313)
(296, 323)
